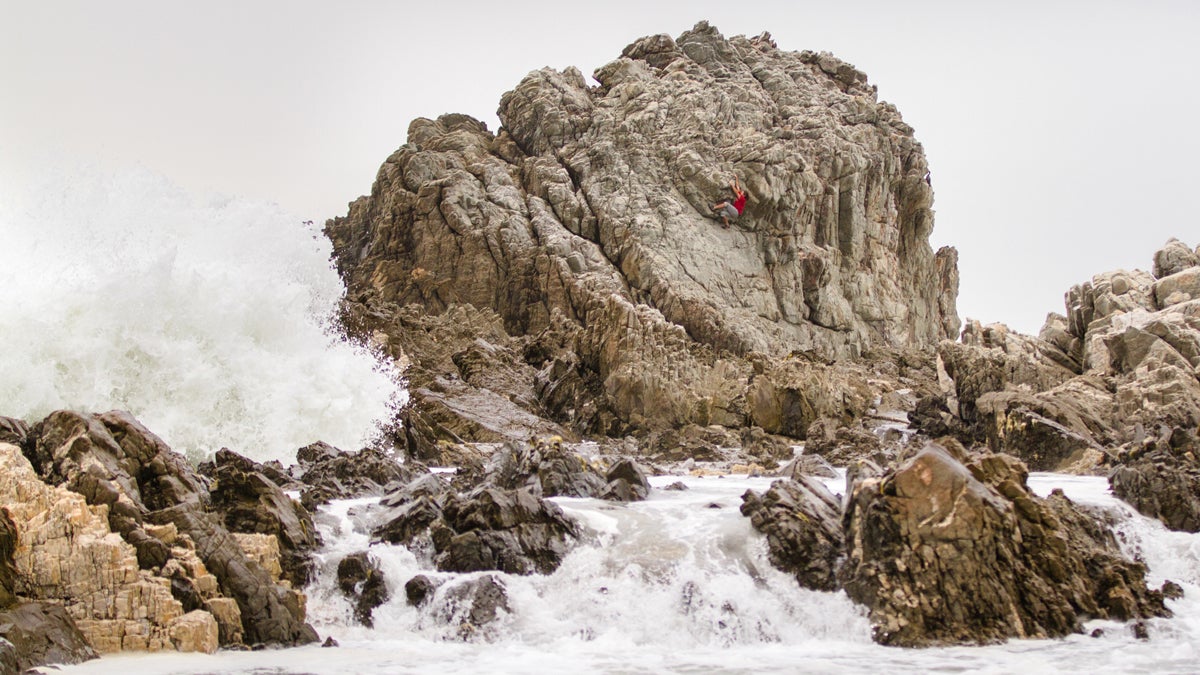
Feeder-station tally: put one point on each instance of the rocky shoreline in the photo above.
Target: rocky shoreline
(571, 320)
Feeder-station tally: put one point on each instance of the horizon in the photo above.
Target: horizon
(1024, 111)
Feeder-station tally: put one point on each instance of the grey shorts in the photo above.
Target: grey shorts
(728, 211)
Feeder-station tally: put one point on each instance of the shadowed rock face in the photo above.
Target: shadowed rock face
(588, 218)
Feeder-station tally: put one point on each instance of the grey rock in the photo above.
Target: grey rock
(585, 226)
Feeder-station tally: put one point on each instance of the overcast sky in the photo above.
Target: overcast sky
(1062, 136)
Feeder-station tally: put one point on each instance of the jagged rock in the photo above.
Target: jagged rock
(13, 431)
(65, 553)
(802, 522)
(328, 473)
(114, 462)
(703, 444)
(361, 580)
(839, 444)
(768, 449)
(548, 468)
(638, 312)
(627, 482)
(505, 530)
(1174, 257)
(808, 465)
(1123, 359)
(251, 503)
(1162, 485)
(41, 634)
(943, 553)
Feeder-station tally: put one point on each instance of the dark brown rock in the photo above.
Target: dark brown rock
(802, 522)
(505, 530)
(360, 579)
(943, 553)
(42, 634)
(252, 503)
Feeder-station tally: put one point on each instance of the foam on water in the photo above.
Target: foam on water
(674, 585)
(208, 319)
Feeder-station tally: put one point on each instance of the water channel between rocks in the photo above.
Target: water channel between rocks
(681, 583)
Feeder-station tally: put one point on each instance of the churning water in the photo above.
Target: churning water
(680, 583)
(208, 319)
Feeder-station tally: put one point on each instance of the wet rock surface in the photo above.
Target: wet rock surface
(252, 503)
(361, 580)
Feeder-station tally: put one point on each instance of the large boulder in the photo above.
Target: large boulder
(946, 553)
(504, 530)
(584, 226)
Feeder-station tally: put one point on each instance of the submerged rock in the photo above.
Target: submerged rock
(360, 579)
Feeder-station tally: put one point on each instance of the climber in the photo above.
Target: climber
(727, 209)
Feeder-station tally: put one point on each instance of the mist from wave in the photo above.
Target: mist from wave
(208, 318)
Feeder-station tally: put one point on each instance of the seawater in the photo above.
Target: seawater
(208, 318)
(681, 583)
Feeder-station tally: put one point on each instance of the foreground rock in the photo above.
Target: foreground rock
(584, 282)
(162, 508)
(361, 580)
(946, 553)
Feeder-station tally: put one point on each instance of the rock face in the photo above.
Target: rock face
(945, 553)
(111, 466)
(584, 227)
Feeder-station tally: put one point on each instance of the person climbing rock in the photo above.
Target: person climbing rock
(728, 209)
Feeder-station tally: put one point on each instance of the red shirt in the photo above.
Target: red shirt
(740, 203)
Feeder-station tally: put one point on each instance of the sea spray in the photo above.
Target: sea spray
(209, 319)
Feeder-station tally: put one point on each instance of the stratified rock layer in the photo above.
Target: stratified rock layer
(586, 222)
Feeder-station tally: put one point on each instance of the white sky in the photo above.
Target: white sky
(1062, 136)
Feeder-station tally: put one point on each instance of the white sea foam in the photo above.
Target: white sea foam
(671, 585)
(207, 318)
